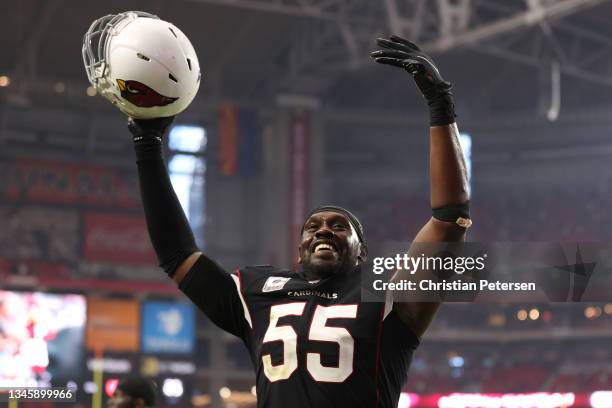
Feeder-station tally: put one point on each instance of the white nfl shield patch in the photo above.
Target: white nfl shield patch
(274, 283)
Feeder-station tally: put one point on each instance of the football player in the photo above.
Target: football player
(312, 340)
(133, 392)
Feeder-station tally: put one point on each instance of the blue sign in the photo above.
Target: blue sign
(167, 327)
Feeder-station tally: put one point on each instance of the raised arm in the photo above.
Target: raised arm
(448, 176)
(168, 227)
(212, 289)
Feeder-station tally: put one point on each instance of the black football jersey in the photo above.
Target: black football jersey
(312, 343)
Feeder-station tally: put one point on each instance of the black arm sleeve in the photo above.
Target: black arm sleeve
(215, 293)
(168, 227)
(211, 288)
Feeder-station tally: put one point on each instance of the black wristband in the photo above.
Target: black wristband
(441, 110)
(149, 128)
(168, 227)
(450, 213)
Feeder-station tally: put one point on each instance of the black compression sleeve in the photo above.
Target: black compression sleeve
(168, 227)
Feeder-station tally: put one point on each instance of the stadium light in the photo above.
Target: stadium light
(172, 388)
(72, 385)
(601, 399)
(592, 312)
(456, 361)
(90, 387)
(225, 392)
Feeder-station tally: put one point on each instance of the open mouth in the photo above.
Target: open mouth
(323, 248)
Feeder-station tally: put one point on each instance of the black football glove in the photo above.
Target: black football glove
(146, 129)
(402, 53)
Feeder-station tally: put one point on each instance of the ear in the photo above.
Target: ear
(363, 253)
(299, 259)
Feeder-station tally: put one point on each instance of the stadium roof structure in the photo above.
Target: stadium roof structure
(516, 61)
(251, 49)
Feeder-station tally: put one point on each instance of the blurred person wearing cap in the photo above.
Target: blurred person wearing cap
(312, 339)
(134, 392)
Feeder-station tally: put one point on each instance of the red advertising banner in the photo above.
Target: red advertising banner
(298, 175)
(50, 181)
(228, 139)
(120, 239)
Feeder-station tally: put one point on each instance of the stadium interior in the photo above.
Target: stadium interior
(532, 83)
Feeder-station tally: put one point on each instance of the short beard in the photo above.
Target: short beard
(321, 271)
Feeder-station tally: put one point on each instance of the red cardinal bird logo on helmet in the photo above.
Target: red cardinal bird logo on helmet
(141, 95)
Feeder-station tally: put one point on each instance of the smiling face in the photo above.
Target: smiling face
(329, 244)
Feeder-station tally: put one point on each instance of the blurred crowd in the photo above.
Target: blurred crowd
(500, 213)
(512, 366)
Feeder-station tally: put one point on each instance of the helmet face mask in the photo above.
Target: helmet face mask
(145, 66)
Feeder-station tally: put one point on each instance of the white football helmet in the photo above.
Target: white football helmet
(145, 66)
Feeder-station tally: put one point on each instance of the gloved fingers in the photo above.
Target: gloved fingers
(392, 54)
(400, 40)
(411, 57)
(414, 68)
(391, 61)
(391, 45)
(429, 67)
(393, 49)
(391, 58)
